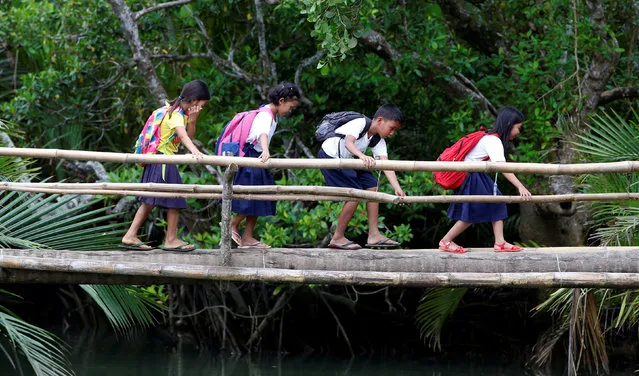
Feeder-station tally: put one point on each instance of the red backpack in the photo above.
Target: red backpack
(457, 153)
(234, 135)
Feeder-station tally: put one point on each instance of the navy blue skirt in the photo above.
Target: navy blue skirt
(253, 176)
(347, 178)
(477, 183)
(163, 174)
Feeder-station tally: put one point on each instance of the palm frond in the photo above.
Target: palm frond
(124, 306)
(611, 138)
(38, 222)
(436, 307)
(45, 352)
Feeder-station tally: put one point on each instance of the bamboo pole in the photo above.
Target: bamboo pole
(488, 167)
(225, 221)
(48, 270)
(291, 193)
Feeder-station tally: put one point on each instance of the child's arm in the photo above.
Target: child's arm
(392, 179)
(513, 179)
(350, 146)
(264, 144)
(193, 113)
(186, 140)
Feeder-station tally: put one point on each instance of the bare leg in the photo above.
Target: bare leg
(247, 237)
(235, 222)
(342, 222)
(498, 230)
(131, 236)
(447, 240)
(374, 235)
(171, 240)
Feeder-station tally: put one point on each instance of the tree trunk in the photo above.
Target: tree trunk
(140, 56)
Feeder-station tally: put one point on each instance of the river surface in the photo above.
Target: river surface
(148, 356)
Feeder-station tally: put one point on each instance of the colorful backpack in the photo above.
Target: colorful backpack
(456, 153)
(149, 139)
(231, 141)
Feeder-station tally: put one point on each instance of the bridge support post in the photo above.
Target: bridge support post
(225, 222)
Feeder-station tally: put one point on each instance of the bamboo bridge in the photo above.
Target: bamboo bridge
(613, 267)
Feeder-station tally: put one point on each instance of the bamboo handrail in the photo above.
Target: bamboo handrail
(488, 167)
(288, 193)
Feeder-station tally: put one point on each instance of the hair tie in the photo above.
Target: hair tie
(180, 97)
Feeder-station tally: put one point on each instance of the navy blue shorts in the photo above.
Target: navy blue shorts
(477, 183)
(347, 178)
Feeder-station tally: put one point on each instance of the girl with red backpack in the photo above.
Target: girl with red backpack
(491, 146)
(283, 98)
(176, 125)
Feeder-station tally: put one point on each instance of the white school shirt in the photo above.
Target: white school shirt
(352, 128)
(263, 123)
(489, 146)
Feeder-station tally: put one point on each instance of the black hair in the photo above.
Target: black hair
(195, 90)
(506, 118)
(389, 112)
(284, 90)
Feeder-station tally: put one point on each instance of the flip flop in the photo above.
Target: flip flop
(136, 247)
(386, 243)
(236, 237)
(348, 246)
(181, 248)
(257, 244)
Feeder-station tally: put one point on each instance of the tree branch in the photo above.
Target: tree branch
(380, 46)
(142, 61)
(144, 11)
(298, 74)
(618, 93)
(228, 67)
(267, 66)
(469, 25)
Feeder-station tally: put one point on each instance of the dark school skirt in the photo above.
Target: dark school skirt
(347, 178)
(153, 174)
(477, 183)
(253, 176)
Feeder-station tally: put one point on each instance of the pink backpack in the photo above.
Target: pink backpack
(234, 135)
(149, 139)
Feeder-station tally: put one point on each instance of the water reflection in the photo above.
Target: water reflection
(150, 357)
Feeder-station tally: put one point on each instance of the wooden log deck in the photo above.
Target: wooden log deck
(609, 267)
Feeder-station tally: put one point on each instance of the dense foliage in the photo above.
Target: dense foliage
(73, 76)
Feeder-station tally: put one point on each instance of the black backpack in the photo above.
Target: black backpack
(328, 125)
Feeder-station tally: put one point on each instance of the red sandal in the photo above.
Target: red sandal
(507, 247)
(451, 247)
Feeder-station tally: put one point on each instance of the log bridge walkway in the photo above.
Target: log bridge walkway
(612, 267)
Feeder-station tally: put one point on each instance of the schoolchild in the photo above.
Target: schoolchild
(178, 125)
(283, 98)
(492, 145)
(349, 144)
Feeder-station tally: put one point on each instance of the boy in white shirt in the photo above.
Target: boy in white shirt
(348, 144)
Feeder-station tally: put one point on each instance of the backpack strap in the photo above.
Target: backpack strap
(264, 108)
(375, 139)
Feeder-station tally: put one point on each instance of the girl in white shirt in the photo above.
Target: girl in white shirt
(507, 127)
(283, 99)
